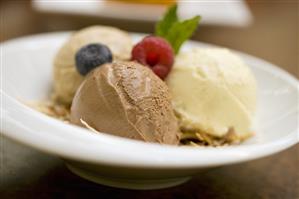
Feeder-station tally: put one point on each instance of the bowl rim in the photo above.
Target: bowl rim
(108, 149)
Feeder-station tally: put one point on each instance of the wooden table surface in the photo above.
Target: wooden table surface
(27, 173)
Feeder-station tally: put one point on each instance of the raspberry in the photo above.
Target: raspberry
(156, 53)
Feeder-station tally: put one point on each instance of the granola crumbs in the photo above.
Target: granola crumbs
(52, 109)
(198, 138)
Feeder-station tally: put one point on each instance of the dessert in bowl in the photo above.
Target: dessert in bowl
(148, 155)
(135, 91)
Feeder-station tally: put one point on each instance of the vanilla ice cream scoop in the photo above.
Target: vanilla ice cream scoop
(126, 99)
(213, 92)
(66, 77)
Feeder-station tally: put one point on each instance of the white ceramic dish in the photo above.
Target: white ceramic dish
(26, 74)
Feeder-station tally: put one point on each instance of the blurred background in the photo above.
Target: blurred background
(264, 28)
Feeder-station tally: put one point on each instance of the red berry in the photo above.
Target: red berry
(161, 71)
(156, 53)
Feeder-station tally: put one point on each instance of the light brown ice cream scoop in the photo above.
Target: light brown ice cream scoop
(128, 100)
(66, 77)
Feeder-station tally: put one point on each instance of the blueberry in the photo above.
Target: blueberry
(91, 56)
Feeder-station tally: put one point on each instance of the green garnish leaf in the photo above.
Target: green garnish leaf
(167, 21)
(181, 31)
(174, 31)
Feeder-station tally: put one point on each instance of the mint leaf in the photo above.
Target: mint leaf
(174, 31)
(180, 32)
(167, 21)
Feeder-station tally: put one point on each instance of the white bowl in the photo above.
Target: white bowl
(26, 75)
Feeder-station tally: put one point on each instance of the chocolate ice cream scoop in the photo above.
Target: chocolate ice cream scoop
(126, 99)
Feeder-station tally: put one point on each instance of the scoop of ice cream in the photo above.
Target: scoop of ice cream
(213, 92)
(126, 99)
(66, 77)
